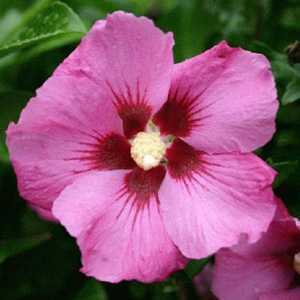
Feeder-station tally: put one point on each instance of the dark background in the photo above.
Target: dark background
(38, 260)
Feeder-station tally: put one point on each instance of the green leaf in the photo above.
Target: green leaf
(92, 290)
(292, 92)
(44, 21)
(283, 71)
(7, 22)
(195, 266)
(11, 103)
(285, 169)
(12, 247)
(25, 55)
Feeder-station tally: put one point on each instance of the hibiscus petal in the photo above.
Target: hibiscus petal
(281, 239)
(118, 227)
(291, 294)
(260, 268)
(208, 201)
(131, 58)
(66, 130)
(239, 277)
(222, 100)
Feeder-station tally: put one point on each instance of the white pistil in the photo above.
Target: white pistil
(148, 149)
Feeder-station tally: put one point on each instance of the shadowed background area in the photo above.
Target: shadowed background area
(38, 260)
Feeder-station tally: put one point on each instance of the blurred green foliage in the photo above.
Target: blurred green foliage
(38, 260)
(46, 20)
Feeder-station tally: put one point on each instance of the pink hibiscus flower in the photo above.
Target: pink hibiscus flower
(266, 270)
(145, 161)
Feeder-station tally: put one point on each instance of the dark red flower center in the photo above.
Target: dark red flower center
(178, 115)
(111, 152)
(142, 185)
(144, 149)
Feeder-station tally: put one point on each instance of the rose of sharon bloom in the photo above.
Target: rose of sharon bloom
(266, 270)
(145, 161)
